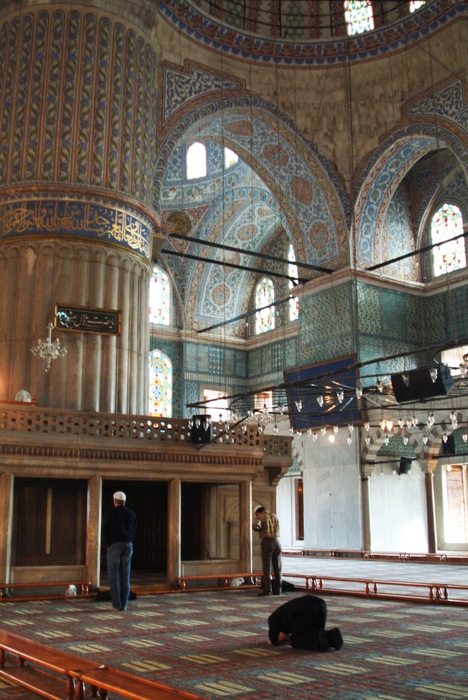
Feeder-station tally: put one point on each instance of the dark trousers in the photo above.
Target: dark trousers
(271, 555)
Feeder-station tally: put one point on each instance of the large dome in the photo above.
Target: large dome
(294, 19)
(305, 33)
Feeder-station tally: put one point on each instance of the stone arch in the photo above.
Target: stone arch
(385, 170)
(291, 167)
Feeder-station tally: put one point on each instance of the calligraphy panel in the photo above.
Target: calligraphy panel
(85, 320)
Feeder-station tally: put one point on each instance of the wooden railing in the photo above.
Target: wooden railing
(415, 557)
(372, 588)
(119, 429)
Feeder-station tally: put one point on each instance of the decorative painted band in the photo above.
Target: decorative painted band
(241, 45)
(76, 217)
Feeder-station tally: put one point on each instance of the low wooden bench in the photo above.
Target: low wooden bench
(45, 659)
(55, 674)
(82, 590)
(222, 580)
(105, 680)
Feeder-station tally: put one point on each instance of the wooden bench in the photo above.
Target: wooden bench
(40, 680)
(222, 580)
(106, 680)
(55, 674)
(82, 590)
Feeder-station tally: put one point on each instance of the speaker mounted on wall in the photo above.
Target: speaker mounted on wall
(420, 384)
(405, 466)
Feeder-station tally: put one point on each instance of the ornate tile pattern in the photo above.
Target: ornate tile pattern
(116, 102)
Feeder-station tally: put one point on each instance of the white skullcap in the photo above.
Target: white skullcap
(119, 496)
(257, 508)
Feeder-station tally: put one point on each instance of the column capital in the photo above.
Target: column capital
(427, 467)
(367, 470)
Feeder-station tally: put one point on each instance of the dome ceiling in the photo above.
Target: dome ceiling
(280, 33)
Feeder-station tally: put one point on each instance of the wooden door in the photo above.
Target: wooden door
(49, 522)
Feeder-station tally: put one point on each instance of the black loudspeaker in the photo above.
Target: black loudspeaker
(448, 447)
(417, 384)
(405, 466)
(201, 429)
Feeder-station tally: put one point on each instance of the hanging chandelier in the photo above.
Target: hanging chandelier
(48, 350)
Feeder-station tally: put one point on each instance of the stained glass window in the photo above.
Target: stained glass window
(159, 298)
(264, 295)
(416, 4)
(359, 16)
(447, 223)
(292, 272)
(196, 161)
(230, 158)
(160, 384)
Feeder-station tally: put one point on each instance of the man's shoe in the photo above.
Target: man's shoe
(334, 638)
(259, 595)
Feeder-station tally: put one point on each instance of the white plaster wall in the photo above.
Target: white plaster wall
(286, 511)
(332, 493)
(398, 511)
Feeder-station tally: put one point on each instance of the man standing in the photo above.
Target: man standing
(118, 530)
(267, 526)
(301, 622)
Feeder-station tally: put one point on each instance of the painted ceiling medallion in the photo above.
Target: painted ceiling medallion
(181, 221)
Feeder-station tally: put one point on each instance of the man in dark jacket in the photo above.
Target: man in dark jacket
(118, 530)
(302, 621)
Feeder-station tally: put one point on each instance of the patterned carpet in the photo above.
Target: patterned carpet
(214, 644)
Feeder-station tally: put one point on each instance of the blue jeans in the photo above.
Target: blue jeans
(119, 557)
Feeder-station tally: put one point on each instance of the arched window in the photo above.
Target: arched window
(448, 256)
(159, 298)
(264, 296)
(292, 272)
(416, 4)
(160, 384)
(230, 158)
(196, 161)
(359, 16)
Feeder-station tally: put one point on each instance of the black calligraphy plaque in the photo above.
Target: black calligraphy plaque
(82, 319)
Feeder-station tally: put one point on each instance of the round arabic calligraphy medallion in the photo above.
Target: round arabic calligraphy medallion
(181, 221)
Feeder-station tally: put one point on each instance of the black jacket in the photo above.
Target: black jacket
(119, 525)
(302, 618)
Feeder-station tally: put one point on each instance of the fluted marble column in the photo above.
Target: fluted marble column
(95, 374)
(77, 221)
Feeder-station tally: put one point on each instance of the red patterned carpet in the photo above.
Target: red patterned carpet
(214, 644)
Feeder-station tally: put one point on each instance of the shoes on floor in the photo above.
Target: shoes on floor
(334, 638)
(259, 595)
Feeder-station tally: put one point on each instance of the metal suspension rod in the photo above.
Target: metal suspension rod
(246, 315)
(294, 280)
(416, 252)
(265, 256)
